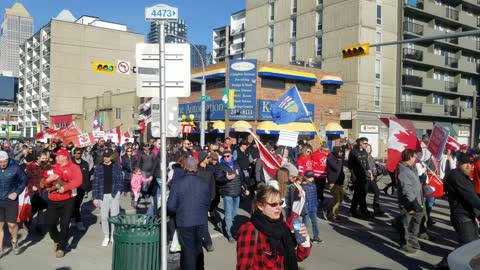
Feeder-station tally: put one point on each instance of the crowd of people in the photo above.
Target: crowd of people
(59, 178)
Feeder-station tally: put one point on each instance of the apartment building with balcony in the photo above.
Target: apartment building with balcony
(229, 40)
(57, 68)
(439, 78)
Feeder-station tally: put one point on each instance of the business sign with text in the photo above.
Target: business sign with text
(243, 79)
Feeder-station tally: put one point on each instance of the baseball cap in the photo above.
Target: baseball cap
(309, 174)
(463, 158)
(108, 152)
(463, 146)
(191, 164)
(62, 152)
(3, 155)
(292, 170)
(202, 156)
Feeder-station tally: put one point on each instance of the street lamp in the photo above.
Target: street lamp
(203, 92)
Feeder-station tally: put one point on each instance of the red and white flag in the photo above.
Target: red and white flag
(24, 206)
(453, 144)
(84, 140)
(269, 163)
(401, 135)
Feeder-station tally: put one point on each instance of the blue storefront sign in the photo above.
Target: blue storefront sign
(214, 110)
(243, 79)
(265, 108)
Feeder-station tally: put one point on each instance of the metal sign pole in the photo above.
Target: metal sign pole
(163, 147)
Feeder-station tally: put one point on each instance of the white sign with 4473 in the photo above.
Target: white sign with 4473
(161, 12)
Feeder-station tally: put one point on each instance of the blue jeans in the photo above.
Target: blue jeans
(157, 192)
(230, 205)
(313, 218)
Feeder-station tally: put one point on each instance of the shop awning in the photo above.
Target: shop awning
(218, 127)
(269, 127)
(329, 79)
(241, 126)
(334, 128)
(287, 74)
(215, 73)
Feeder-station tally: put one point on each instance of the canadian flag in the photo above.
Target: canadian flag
(453, 144)
(401, 135)
(269, 163)
(84, 140)
(24, 206)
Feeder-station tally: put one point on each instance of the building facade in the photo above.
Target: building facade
(17, 26)
(199, 54)
(175, 32)
(8, 121)
(8, 88)
(116, 109)
(258, 89)
(229, 41)
(59, 67)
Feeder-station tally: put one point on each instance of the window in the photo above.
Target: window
(319, 21)
(273, 83)
(118, 113)
(272, 11)
(329, 89)
(195, 87)
(303, 86)
(376, 96)
(379, 40)
(270, 54)
(468, 103)
(270, 34)
(319, 46)
(215, 83)
(294, 27)
(133, 112)
(379, 14)
(437, 99)
(377, 68)
(293, 52)
(294, 6)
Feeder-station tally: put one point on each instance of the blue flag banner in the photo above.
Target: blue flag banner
(289, 108)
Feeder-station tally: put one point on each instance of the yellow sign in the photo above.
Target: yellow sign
(231, 99)
(104, 67)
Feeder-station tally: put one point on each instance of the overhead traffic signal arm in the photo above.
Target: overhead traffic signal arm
(356, 50)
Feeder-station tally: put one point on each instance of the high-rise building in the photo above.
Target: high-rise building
(198, 53)
(16, 27)
(175, 32)
(428, 82)
(229, 40)
(59, 66)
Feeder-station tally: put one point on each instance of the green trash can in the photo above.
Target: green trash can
(136, 242)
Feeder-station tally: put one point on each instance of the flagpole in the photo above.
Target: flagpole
(316, 131)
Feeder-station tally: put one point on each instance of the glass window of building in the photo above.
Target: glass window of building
(376, 97)
(379, 14)
(303, 86)
(379, 40)
(378, 68)
(273, 83)
(294, 27)
(329, 89)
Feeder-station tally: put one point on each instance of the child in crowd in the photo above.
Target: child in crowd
(311, 204)
(136, 183)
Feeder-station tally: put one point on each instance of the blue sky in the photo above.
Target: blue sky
(202, 16)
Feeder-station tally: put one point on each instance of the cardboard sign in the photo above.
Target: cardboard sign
(437, 141)
(288, 138)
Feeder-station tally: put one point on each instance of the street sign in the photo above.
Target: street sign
(123, 67)
(173, 126)
(206, 98)
(187, 129)
(177, 70)
(161, 12)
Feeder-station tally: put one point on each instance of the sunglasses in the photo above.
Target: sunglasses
(275, 204)
(227, 156)
(77, 153)
(129, 151)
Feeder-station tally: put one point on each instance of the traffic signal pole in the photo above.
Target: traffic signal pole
(413, 40)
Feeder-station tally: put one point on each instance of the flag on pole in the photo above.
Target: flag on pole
(269, 163)
(289, 108)
(401, 136)
(453, 144)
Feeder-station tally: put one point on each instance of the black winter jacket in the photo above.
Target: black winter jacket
(232, 188)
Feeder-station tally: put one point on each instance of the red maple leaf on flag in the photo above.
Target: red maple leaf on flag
(401, 135)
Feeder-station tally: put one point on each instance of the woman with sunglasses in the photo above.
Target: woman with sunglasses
(305, 161)
(267, 241)
(128, 163)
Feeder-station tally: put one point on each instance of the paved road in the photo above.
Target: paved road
(352, 244)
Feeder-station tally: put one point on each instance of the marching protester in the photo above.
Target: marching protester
(311, 205)
(61, 181)
(410, 200)
(464, 203)
(230, 177)
(106, 189)
(358, 163)
(12, 182)
(82, 189)
(336, 178)
(372, 182)
(189, 199)
(207, 174)
(266, 241)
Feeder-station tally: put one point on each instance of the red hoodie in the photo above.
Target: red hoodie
(69, 173)
(304, 164)
(319, 163)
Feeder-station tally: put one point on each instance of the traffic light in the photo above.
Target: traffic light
(356, 51)
(104, 67)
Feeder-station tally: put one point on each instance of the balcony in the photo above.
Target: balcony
(452, 14)
(412, 80)
(451, 87)
(413, 28)
(453, 40)
(35, 84)
(45, 109)
(451, 62)
(45, 95)
(451, 110)
(414, 3)
(411, 107)
(46, 66)
(412, 54)
(46, 37)
(45, 80)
